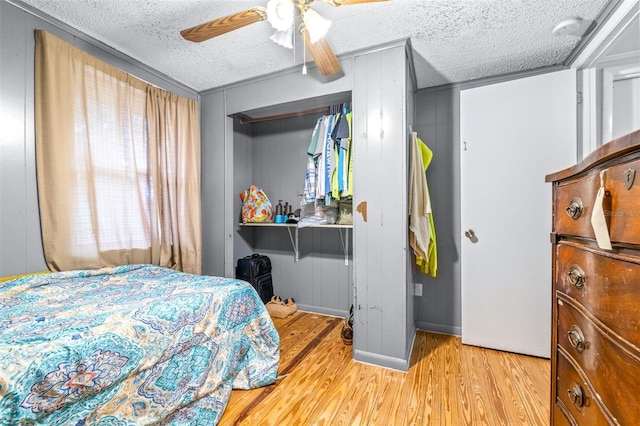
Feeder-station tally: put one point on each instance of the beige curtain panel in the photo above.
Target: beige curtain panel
(118, 165)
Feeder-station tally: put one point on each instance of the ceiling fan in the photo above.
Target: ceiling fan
(282, 15)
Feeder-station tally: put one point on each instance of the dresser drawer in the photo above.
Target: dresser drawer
(612, 367)
(621, 205)
(561, 416)
(574, 396)
(606, 284)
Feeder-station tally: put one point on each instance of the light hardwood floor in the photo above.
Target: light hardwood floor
(447, 384)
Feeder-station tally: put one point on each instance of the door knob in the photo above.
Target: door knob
(470, 234)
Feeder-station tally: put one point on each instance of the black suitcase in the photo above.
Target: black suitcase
(256, 270)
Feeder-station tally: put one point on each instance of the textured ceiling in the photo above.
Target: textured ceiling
(453, 40)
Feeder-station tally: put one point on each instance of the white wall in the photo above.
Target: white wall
(626, 106)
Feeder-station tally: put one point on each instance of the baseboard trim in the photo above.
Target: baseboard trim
(439, 328)
(381, 360)
(322, 311)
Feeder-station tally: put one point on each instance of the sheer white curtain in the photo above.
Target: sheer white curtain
(118, 163)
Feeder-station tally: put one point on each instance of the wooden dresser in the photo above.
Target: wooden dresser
(595, 338)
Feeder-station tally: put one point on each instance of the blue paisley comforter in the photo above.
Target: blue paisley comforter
(129, 345)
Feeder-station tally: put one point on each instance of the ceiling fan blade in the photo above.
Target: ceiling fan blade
(350, 2)
(322, 53)
(223, 25)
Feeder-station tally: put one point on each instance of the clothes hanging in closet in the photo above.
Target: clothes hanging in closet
(422, 235)
(329, 174)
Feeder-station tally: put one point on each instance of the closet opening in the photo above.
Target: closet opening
(312, 264)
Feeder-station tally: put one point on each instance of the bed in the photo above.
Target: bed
(129, 345)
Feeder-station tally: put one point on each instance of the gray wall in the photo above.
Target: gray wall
(20, 241)
(214, 171)
(438, 123)
(410, 107)
(384, 326)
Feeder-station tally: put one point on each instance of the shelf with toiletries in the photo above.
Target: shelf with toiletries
(293, 236)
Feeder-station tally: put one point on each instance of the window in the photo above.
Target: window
(116, 158)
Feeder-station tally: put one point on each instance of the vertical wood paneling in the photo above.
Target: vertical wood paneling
(317, 271)
(409, 116)
(212, 169)
(242, 176)
(283, 88)
(304, 282)
(438, 309)
(380, 135)
(368, 181)
(13, 168)
(393, 224)
(34, 254)
(20, 241)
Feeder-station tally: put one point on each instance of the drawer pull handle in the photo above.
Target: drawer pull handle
(576, 338)
(576, 395)
(576, 276)
(574, 210)
(629, 177)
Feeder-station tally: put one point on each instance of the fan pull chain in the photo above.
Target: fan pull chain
(304, 59)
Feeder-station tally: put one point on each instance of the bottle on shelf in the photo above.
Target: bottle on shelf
(279, 214)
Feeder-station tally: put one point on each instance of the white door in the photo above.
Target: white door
(512, 134)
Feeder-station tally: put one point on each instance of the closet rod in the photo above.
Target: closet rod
(244, 119)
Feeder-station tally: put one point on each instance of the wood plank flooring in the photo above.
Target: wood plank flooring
(447, 384)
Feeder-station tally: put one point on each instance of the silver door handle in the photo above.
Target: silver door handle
(470, 234)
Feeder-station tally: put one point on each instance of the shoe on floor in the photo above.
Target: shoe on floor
(347, 328)
(279, 309)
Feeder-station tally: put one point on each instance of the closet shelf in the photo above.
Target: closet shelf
(294, 225)
(294, 236)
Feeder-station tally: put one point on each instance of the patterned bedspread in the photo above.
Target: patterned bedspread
(131, 345)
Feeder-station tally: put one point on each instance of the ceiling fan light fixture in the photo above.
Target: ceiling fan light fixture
(315, 24)
(280, 14)
(283, 38)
